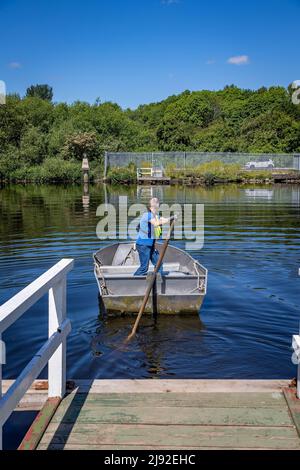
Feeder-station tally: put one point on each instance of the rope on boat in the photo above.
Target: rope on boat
(103, 284)
(133, 248)
(200, 281)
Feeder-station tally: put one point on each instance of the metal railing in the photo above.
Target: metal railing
(53, 351)
(152, 172)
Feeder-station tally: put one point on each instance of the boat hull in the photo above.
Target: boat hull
(163, 304)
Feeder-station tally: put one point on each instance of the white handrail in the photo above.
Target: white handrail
(296, 347)
(53, 351)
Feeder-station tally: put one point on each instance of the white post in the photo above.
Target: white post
(298, 381)
(0, 392)
(57, 363)
(296, 357)
(298, 367)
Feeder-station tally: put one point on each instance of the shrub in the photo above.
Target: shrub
(216, 169)
(55, 169)
(124, 174)
(52, 170)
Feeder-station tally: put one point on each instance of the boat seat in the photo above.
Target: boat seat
(129, 269)
(176, 273)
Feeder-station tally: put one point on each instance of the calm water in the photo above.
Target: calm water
(249, 314)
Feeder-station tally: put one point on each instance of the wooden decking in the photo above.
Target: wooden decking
(172, 414)
(153, 180)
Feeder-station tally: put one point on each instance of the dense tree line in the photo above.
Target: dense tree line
(40, 139)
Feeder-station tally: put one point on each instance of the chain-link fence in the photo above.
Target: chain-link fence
(185, 160)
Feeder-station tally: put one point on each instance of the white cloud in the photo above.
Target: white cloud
(296, 84)
(15, 65)
(170, 2)
(239, 60)
(210, 61)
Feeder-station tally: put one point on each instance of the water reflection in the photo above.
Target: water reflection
(153, 343)
(266, 194)
(86, 198)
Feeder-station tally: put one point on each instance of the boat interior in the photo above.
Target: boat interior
(122, 259)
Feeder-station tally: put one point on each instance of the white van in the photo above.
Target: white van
(264, 164)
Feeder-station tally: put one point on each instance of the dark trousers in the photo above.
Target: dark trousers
(147, 254)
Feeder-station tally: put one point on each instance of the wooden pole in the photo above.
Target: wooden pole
(151, 282)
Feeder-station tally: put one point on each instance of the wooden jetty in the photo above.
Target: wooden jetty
(138, 414)
(151, 175)
(154, 180)
(164, 414)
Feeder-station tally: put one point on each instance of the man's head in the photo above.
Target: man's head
(154, 204)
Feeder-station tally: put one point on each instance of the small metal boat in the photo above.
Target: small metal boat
(181, 289)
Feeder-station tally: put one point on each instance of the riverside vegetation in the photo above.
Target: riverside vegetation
(44, 141)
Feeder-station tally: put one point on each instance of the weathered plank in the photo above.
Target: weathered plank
(164, 414)
(294, 405)
(168, 385)
(180, 436)
(178, 385)
(95, 413)
(38, 427)
(193, 399)
(135, 447)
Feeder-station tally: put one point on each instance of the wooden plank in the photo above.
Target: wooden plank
(171, 385)
(33, 390)
(14, 308)
(135, 447)
(180, 436)
(194, 399)
(39, 425)
(178, 385)
(95, 413)
(30, 405)
(293, 403)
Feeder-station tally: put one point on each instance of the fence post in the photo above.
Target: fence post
(296, 162)
(57, 363)
(105, 165)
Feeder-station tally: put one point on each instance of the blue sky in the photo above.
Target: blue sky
(139, 51)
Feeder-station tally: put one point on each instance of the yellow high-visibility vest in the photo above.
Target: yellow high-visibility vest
(157, 230)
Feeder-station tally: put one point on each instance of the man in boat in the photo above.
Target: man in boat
(149, 229)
